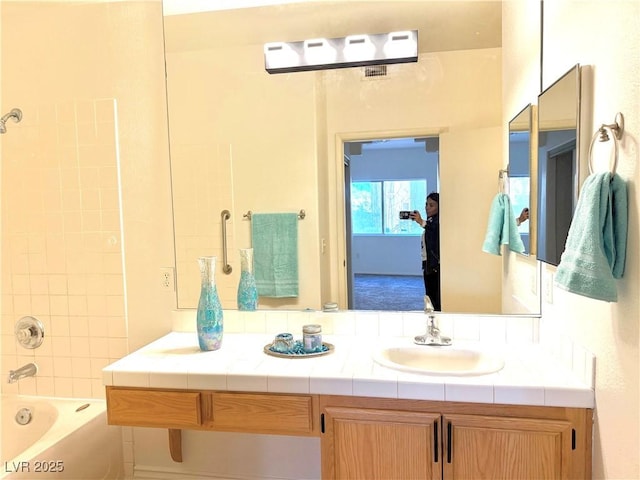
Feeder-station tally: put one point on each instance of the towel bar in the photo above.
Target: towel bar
(301, 215)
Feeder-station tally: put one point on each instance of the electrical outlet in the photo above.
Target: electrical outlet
(549, 287)
(167, 279)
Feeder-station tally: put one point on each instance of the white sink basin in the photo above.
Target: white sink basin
(430, 360)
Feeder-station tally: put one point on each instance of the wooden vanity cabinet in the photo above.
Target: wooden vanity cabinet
(404, 439)
(378, 438)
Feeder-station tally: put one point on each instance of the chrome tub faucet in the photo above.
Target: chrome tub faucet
(28, 370)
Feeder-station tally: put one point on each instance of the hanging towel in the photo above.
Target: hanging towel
(596, 246)
(502, 228)
(274, 238)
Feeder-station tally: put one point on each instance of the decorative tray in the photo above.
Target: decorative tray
(327, 348)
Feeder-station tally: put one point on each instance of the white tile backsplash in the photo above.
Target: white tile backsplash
(498, 329)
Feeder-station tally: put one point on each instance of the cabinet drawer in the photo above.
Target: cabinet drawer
(149, 408)
(260, 413)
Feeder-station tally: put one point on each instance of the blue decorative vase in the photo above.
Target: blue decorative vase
(247, 290)
(209, 321)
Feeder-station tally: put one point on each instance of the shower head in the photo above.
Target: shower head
(15, 113)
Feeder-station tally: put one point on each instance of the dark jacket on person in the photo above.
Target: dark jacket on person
(432, 239)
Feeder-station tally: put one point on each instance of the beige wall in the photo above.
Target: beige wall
(575, 32)
(85, 179)
(241, 140)
(470, 161)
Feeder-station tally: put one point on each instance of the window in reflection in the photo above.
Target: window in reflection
(366, 207)
(375, 206)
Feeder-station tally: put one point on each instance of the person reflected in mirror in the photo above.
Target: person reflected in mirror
(524, 216)
(430, 247)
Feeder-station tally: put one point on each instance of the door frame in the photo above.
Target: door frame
(343, 274)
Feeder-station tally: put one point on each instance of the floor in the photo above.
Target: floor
(388, 292)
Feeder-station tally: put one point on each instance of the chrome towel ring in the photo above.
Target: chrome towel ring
(616, 129)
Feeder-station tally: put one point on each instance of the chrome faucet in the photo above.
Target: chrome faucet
(432, 337)
(28, 370)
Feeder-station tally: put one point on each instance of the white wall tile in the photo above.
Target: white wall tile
(468, 393)
(467, 328)
(375, 388)
(520, 395)
(81, 387)
(419, 390)
(45, 385)
(331, 385)
(344, 323)
(63, 386)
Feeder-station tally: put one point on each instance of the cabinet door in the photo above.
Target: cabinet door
(484, 447)
(380, 444)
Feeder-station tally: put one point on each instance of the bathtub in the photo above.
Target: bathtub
(66, 439)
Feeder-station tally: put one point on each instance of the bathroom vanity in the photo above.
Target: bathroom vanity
(529, 420)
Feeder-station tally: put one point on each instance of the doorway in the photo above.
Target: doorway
(383, 177)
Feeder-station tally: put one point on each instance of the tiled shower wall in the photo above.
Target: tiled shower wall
(62, 245)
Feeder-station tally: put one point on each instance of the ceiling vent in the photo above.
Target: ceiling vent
(375, 71)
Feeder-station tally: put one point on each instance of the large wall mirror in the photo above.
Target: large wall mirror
(558, 172)
(521, 163)
(242, 139)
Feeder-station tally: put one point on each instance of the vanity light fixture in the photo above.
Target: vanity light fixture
(343, 52)
(280, 54)
(319, 51)
(358, 47)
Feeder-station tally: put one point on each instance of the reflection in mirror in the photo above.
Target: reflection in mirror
(242, 139)
(384, 178)
(558, 120)
(520, 173)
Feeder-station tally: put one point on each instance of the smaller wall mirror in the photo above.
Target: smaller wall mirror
(520, 162)
(558, 173)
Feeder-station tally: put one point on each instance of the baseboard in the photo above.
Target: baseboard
(150, 472)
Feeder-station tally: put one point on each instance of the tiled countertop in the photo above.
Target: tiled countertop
(530, 376)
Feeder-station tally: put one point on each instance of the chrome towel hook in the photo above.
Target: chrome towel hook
(617, 128)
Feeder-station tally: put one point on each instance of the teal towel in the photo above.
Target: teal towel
(502, 228)
(596, 246)
(274, 238)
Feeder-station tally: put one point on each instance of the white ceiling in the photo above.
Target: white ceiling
(442, 25)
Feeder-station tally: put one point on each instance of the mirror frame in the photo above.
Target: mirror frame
(560, 148)
(528, 112)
